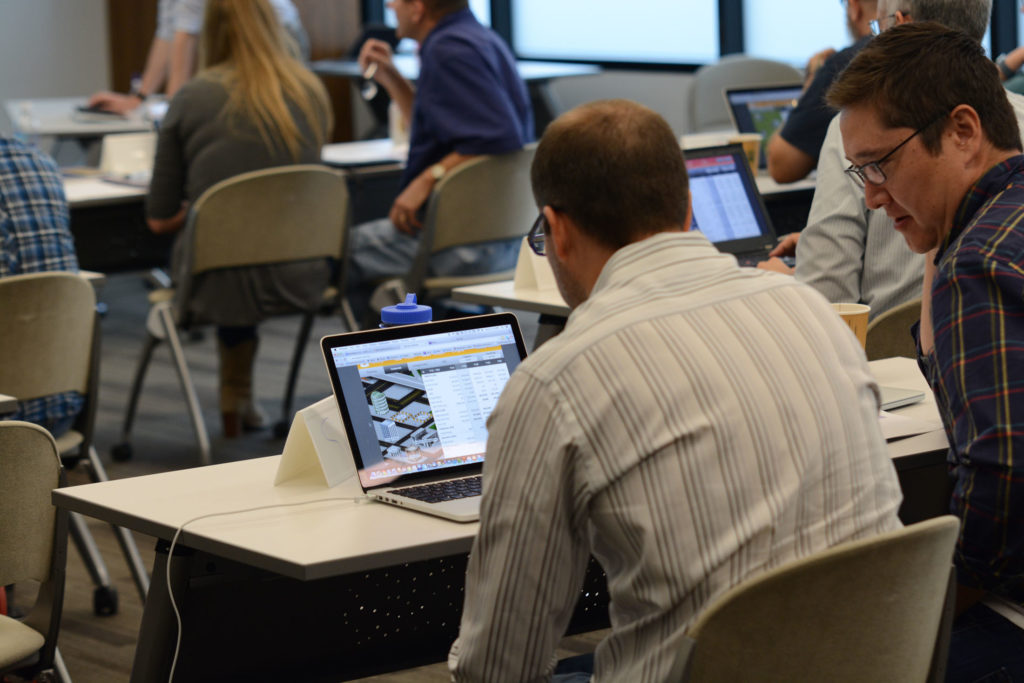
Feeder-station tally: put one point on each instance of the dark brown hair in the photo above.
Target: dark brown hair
(439, 8)
(914, 73)
(615, 167)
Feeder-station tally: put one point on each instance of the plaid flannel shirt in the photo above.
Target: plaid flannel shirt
(35, 236)
(977, 373)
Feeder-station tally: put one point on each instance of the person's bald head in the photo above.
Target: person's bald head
(615, 167)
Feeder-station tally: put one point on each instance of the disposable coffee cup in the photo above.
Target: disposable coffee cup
(751, 147)
(856, 316)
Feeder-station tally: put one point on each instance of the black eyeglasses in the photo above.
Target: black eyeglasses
(872, 172)
(535, 238)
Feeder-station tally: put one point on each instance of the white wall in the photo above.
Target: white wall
(53, 48)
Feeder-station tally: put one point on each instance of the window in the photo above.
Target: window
(659, 31)
(783, 30)
(481, 9)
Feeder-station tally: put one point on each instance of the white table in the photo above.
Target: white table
(55, 116)
(229, 566)
(537, 75)
(506, 295)
(329, 546)
(84, 191)
(409, 67)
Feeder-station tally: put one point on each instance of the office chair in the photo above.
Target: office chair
(33, 547)
(486, 199)
(875, 609)
(889, 333)
(708, 110)
(50, 345)
(275, 215)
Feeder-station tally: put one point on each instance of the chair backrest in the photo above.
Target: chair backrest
(47, 334)
(868, 610)
(486, 199)
(274, 215)
(708, 110)
(33, 535)
(889, 333)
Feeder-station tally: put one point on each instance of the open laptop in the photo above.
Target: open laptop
(727, 206)
(415, 400)
(127, 158)
(762, 109)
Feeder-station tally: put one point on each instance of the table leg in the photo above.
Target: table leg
(158, 632)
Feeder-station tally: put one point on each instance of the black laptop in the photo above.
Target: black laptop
(727, 206)
(762, 109)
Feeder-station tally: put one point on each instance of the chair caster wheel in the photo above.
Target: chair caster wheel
(104, 601)
(281, 429)
(121, 451)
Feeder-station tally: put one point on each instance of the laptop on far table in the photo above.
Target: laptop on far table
(415, 400)
(727, 206)
(762, 109)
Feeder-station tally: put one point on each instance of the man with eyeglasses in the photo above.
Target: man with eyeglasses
(848, 252)
(793, 148)
(928, 130)
(652, 432)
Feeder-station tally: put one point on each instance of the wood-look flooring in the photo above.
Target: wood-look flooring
(100, 649)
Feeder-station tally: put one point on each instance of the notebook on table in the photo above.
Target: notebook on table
(762, 109)
(727, 206)
(415, 400)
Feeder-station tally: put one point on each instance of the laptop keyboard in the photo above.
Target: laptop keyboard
(440, 491)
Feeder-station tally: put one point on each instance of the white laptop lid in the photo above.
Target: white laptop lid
(127, 155)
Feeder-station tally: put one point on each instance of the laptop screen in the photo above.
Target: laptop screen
(415, 399)
(727, 206)
(762, 110)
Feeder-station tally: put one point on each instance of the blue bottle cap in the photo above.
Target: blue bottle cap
(406, 313)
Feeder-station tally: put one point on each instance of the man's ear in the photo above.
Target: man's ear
(902, 18)
(966, 128)
(560, 232)
(419, 11)
(689, 213)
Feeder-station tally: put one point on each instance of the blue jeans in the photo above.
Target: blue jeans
(985, 647)
(380, 251)
(576, 669)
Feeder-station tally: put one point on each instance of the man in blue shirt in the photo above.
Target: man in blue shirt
(35, 236)
(469, 101)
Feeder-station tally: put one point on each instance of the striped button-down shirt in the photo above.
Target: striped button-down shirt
(696, 423)
(35, 236)
(977, 373)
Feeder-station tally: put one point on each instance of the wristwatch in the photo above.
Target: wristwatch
(1003, 68)
(437, 171)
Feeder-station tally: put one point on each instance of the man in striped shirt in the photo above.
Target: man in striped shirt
(694, 424)
(930, 134)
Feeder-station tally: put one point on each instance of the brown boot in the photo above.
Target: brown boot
(238, 412)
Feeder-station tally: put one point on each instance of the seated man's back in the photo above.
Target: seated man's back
(35, 236)
(695, 424)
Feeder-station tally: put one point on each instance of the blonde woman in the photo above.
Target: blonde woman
(251, 106)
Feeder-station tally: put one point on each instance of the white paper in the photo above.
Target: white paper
(898, 426)
(533, 272)
(317, 446)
